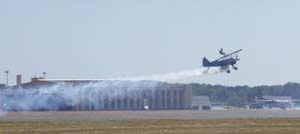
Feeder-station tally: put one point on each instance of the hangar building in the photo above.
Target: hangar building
(89, 95)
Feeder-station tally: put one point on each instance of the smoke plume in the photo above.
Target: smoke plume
(178, 75)
(60, 95)
(63, 95)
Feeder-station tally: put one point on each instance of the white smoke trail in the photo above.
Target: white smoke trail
(178, 75)
(60, 95)
(65, 95)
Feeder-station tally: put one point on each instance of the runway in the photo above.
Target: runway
(146, 115)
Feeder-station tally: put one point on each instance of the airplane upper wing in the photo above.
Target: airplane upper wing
(227, 56)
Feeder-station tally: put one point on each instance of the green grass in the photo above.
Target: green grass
(243, 126)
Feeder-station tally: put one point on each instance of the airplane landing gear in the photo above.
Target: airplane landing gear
(234, 67)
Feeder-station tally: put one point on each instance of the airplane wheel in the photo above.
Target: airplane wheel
(228, 71)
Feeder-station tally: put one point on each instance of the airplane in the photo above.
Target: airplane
(281, 103)
(225, 61)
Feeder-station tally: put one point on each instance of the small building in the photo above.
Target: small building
(201, 103)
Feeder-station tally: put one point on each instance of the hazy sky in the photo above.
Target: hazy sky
(100, 39)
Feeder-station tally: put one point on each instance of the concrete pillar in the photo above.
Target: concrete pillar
(139, 100)
(185, 95)
(177, 98)
(153, 107)
(127, 102)
(115, 99)
(81, 99)
(88, 100)
(159, 100)
(168, 95)
(125, 99)
(190, 97)
(172, 98)
(143, 96)
(109, 101)
(134, 101)
(162, 96)
(187, 98)
(181, 100)
(100, 102)
(121, 101)
(19, 80)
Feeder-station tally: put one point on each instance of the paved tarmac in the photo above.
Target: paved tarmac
(145, 115)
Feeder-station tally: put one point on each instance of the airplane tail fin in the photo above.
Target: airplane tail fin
(205, 62)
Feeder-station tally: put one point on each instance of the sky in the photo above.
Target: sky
(89, 39)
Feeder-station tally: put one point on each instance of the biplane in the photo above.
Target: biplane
(225, 61)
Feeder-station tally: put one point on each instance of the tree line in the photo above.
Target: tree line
(242, 95)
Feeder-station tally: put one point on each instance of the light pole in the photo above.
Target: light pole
(6, 72)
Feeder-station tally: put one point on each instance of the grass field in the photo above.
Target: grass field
(242, 126)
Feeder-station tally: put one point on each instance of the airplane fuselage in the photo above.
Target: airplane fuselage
(227, 62)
